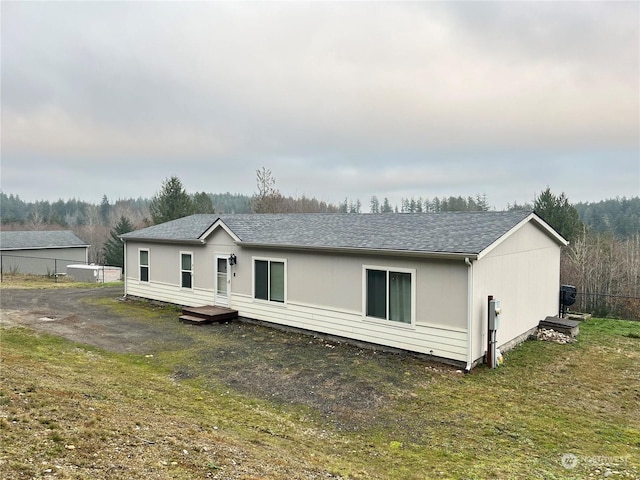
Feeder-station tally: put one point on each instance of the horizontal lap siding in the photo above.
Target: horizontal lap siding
(324, 294)
(170, 293)
(437, 341)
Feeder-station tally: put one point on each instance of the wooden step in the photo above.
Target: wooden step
(193, 320)
(207, 314)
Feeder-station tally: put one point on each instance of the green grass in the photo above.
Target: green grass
(86, 413)
(22, 281)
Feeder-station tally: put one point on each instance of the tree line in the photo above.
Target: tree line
(604, 266)
(602, 259)
(620, 216)
(605, 270)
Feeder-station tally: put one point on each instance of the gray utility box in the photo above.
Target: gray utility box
(494, 314)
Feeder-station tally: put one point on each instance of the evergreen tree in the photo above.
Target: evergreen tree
(374, 205)
(171, 203)
(202, 203)
(386, 206)
(483, 202)
(105, 208)
(114, 248)
(559, 213)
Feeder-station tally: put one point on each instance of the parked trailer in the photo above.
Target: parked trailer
(94, 273)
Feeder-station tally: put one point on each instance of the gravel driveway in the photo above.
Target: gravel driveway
(76, 314)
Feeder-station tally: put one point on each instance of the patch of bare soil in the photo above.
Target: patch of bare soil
(346, 384)
(86, 316)
(335, 379)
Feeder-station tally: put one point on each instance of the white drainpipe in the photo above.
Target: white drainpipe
(469, 313)
(124, 266)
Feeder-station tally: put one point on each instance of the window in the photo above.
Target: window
(269, 280)
(186, 270)
(144, 265)
(221, 279)
(389, 294)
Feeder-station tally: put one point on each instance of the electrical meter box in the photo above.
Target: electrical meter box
(494, 314)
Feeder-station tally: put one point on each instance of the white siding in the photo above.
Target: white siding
(195, 297)
(324, 293)
(325, 290)
(334, 281)
(164, 270)
(523, 272)
(442, 342)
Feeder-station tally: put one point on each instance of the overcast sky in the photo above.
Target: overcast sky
(337, 99)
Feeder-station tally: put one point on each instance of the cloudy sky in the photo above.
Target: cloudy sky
(339, 100)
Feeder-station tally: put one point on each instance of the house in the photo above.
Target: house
(418, 282)
(41, 252)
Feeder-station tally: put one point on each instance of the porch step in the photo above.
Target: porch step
(562, 325)
(207, 314)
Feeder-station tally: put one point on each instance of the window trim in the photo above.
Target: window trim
(386, 321)
(147, 266)
(253, 279)
(184, 271)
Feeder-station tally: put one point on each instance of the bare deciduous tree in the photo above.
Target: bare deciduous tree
(606, 273)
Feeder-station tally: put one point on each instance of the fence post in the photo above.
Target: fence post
(55, 269)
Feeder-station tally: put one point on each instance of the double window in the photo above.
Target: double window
(144, 265)
(186, 270)
(389, 294)
(269, 280)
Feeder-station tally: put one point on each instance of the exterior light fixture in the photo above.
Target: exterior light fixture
(232, 259)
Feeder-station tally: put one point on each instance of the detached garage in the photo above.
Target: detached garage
(417, 282)
(41, 252)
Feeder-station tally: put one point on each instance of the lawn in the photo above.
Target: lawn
(25, 280)
(551, 411)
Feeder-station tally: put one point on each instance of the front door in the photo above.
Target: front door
(223, 281)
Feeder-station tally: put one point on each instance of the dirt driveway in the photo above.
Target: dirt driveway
(77, 314)
(348, 385)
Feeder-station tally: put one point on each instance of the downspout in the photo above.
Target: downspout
(124, 266)
(469, 314)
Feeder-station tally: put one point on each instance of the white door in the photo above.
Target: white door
(223, 281)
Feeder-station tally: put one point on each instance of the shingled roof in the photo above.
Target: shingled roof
(28, 240)
(443, 233)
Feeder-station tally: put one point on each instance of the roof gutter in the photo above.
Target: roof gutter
(50, 247)
(164, 240)
(364, 251)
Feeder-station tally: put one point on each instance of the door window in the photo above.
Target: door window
(222, 276)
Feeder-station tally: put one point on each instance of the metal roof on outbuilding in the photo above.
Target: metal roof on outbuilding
(29, 240)
(444, 233)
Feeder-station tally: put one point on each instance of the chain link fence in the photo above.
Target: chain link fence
(52, 268)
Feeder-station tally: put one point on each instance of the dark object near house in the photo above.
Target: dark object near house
(567, 298)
